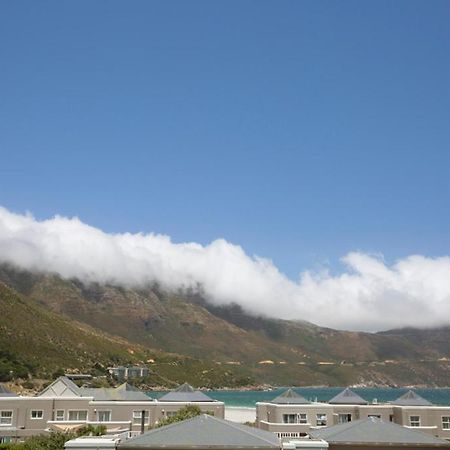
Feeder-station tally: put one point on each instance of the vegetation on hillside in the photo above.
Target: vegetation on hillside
(38, 343)
(87, 327)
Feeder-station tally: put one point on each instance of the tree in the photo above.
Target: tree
(52, 441)
(92, 430)
(184, 413)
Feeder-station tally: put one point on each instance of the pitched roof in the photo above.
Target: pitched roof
(124, 392)
(185, 393)
(64, 387)
(4, 392)
(347, 397)
(374, 431)
(204, 431)
(61, 387)
(410, 398)
(290, 397)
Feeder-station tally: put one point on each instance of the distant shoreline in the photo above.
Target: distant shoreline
(274, 388)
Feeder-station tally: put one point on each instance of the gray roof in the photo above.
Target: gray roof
(62, 382)
(410, 398)
(185, 393)
(347, 397)
(375, 431)
(124, 392)
(6, 392)
(204, 431)
(290, 397)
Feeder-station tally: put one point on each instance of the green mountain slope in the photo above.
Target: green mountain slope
(37, 342)
(233, 343)
(46, 342)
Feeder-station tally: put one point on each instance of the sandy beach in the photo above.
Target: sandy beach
(240, 414)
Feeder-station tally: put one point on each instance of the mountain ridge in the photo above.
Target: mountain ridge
(260, 349)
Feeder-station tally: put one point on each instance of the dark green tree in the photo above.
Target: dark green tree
(184, 413)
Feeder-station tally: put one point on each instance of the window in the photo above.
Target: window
(37, 414)
(104, 416)
(289, 418)
(78, 415)
(59, 415)
(446, 422)
(321, 420)
(5, 439)
(375, 416)
(295, 418)
(171, 413)
(6, 417)
(302, 418)
(344, 418)
(391, 417)
(414, 421)
(137, 417)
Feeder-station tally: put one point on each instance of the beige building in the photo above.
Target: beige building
(292, 416)
(206, 433)
(373, 433)
(203, 432)
(65, 406)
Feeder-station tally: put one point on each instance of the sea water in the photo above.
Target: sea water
(248, 399)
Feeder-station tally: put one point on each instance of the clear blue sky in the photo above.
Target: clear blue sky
(298, 129)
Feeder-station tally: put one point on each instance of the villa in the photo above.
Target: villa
(64, 406)
(205, 432)
(374, 433)
(292, 416)
(128, 373)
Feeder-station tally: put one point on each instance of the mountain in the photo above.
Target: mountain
(37, 342)
(231, 346)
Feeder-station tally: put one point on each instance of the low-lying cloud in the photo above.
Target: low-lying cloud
(368, 295)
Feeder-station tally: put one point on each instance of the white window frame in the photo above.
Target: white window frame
(302, 418)
(290, 418)
(137, 417)
(348, 415)
(77, 411)
(446, 422)
(3, 417)
(321, 420)
(36, 416)
(414, 423)
(104, 411)
(60, 419)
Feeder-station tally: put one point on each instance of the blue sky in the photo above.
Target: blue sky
(299, 130)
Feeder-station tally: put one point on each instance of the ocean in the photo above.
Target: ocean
(248, 399)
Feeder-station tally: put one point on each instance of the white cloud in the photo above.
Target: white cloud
(369, 295)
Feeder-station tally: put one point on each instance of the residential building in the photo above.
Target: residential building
(203, 432)
(292, 416)
(65, 406)
(374, 433)
(128, 373)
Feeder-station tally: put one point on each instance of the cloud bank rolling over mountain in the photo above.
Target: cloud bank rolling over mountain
(368, 295)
